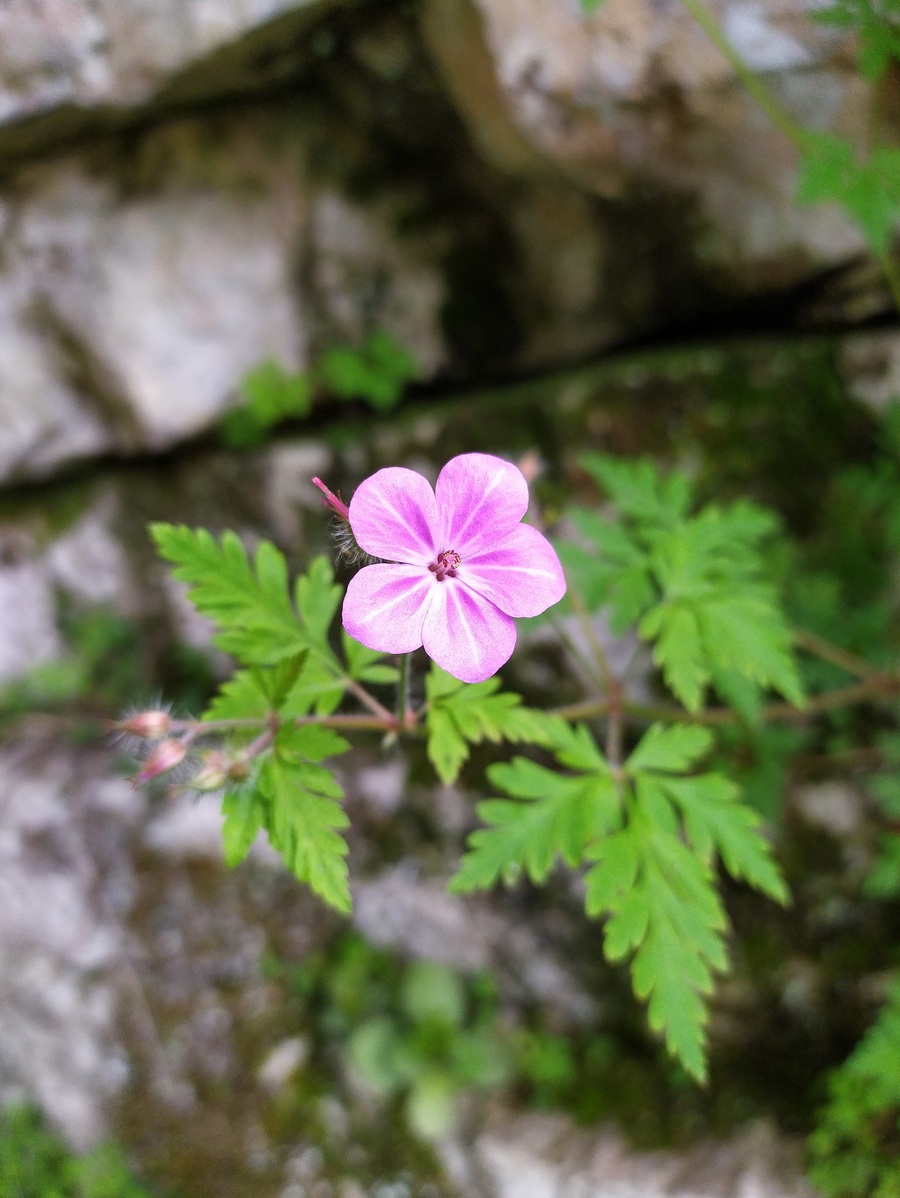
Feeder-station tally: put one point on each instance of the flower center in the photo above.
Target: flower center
(445, 564)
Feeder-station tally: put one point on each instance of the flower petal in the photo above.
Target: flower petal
(520, 574)
(394, 515)
(385, 606)
(465, 634)
(480, 498)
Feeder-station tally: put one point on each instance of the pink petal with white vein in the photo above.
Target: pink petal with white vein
(480, 498)
(385, 606)
(521, 574)
(466, 635)
(393, 515)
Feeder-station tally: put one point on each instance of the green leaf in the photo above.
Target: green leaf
(554, 815)
(303, 819)
(673, 748)
(654, 881)
(318, 597)
(878, 32)
(716, 821)
(377, 372)
(312, 742)
(241, 697)
(853, 1148)
(249, 602)
(867, 189)
(270, 394)
(367, 665)
(462, 714)
(245, 813)
(639, 491)
(663, 906)
(678, 650)
(696, 585)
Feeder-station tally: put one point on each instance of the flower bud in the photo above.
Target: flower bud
(212, 774)
(238, 771)
(149, 725)
(164, 756)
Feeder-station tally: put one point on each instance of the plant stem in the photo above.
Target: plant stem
(834, 653)
(370, 702)
(781, 119)
(583, 660)
(403, 712)
(610, 682)
(876, 688)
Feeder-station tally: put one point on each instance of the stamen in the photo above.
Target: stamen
(445, 565)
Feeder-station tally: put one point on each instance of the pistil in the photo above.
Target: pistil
(445, 565)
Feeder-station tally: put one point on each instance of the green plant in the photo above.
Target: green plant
(34, 1163)
(377, 372)
(642, 798)
(270, 394)
(413, 1032)
(855, 1148)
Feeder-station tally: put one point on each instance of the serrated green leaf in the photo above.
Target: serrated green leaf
(241, 697)
(312, 742)
(528, 837)
(461, 714)
(716, 821)
(639, 490)
(318, 597)
(447, 750)
(671, 748)
(615, 872)
(302, 820)
(555, 815)
(366, 665)
(244, 810)
(627, 926)
(248, 602)
(867, 189)
(678, 650)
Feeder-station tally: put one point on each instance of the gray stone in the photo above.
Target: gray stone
(61, 938)
(103, 52)
(156, 306)
(545, 1156)
(28, 632)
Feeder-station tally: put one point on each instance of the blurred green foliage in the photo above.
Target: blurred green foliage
(415, 1032)
(376, 372)
(35, 1163)
(855, 1149)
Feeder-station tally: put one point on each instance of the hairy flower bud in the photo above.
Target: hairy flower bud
(212, 774)
(149, 725)
(164, 756)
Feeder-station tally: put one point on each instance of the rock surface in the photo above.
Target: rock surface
(186, 191)
(545, 1157)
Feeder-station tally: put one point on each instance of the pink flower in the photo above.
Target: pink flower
(459, 564)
